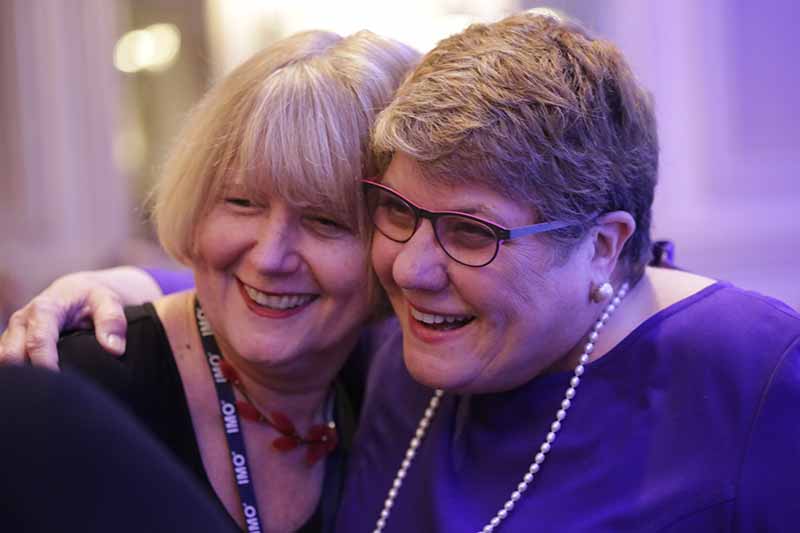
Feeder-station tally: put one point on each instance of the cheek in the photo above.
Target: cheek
(516, 294)
(514, 280)
(533, 275)
(383, 253)
(217, 242)
(342, 269)
(545, 296)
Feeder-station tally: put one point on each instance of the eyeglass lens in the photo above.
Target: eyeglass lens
(464, 239)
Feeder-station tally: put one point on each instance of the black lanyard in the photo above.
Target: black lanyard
(324, 517)
(231, 423)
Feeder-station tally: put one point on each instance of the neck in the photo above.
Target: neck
(622, 322)
(303, 401)
(299, 389)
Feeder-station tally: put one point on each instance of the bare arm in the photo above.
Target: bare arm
(74, 301)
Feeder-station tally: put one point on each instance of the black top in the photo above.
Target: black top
(146, 380)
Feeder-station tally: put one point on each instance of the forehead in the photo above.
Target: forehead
(407, 177)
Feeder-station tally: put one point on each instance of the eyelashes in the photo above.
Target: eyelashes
(320, 224)
(239, 202)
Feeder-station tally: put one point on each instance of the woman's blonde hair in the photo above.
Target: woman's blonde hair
(294, 120)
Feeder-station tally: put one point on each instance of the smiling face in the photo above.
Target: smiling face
(480, 329)
(281, 285)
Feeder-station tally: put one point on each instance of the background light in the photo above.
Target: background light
(154, 49)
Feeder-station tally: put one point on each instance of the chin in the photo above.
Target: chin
(432, 373)
(267, 354)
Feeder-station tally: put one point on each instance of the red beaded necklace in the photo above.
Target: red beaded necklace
(321, 438)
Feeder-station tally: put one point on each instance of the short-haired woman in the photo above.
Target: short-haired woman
(550, 380)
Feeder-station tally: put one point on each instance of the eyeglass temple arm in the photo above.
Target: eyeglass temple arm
(537, 228)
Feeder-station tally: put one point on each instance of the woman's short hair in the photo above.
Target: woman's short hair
(294, 120)
(534, 107)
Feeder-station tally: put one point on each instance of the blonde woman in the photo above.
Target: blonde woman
(261, 199)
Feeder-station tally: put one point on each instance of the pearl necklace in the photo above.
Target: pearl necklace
(536, 465)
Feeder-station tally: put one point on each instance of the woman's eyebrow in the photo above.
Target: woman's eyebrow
(479, 209)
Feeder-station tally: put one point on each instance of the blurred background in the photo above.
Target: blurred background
(92, 93)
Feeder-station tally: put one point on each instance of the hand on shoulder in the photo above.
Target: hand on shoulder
(75, 301)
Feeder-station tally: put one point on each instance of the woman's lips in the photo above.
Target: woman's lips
(274, 306)
(433, 327)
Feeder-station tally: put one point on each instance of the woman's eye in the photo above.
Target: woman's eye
(326, 225)
(239, 202)
(326, 221)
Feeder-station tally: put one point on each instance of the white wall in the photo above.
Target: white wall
(63, 204)
(725, 77)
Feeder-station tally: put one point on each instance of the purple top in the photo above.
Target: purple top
(689, 424)
(171, 281)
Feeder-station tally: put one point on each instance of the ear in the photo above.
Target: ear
(608, 237)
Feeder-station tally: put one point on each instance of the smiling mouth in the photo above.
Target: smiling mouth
(277, 302)
(441, 322)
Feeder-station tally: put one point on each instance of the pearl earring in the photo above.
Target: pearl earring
(602, 292)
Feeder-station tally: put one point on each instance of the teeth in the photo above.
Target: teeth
(277, 302)
(438, 319)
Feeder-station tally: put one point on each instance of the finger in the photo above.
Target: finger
(41, 335)
(109, 320)
(12, 342)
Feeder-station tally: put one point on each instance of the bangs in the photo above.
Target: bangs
(304, 141)
(293, 122)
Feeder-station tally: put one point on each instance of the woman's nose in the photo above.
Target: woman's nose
(421, 264)
(275, 251)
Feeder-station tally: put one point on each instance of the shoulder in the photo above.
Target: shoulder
(725, 313)
(143, 327)
(719, 314)
(146, 350)
(720, 346)
(721, 370)
(729, 335)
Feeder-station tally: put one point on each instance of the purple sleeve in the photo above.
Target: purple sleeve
(770, 474)
(171, 280)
